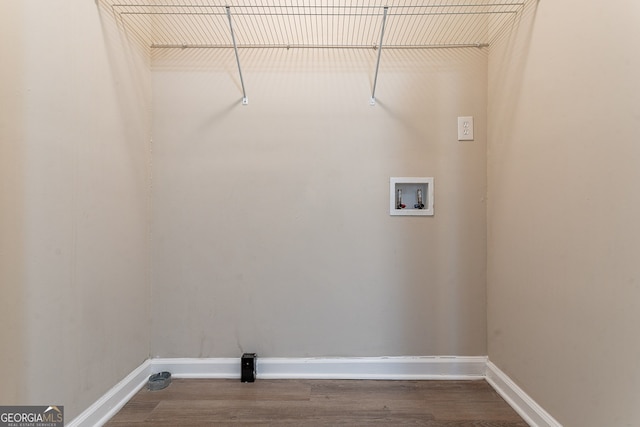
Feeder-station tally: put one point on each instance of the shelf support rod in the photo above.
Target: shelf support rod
(375, 79)
(245, 100)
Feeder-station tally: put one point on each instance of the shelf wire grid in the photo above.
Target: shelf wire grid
(314, 24)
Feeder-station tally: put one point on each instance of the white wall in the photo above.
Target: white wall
(74, 205)
(12, 229)
(563, 237)
(271, 229)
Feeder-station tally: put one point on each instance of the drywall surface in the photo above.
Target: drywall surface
(271, 228)
(563, 235)
(74, 205)
(13, 348)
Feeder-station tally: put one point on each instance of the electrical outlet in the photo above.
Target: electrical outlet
(465, 128)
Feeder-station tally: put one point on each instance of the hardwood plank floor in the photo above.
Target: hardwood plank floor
(191, 402)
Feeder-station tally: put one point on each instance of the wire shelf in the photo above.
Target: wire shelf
(314, 24)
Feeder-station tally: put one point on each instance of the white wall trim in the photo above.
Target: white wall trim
(113, 400)
(398, 368)
(377, 368)
(198, 367)
(374, 368)
(520, 401)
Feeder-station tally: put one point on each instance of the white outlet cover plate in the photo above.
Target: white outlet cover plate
(465, 128)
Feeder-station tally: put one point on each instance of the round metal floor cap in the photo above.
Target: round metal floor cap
(159, 381)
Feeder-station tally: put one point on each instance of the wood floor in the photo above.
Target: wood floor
(191, 402)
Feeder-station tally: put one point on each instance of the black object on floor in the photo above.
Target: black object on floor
(248, 367)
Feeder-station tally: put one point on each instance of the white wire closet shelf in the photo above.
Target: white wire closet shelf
(314, 24)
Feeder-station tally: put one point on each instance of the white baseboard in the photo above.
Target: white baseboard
(198, 368)
(520, 401)
(113, 400)
(357, 368)
(373, 368)
(391, 368)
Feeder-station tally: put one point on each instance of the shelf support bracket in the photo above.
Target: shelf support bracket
(375, 79)
(245, 100)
